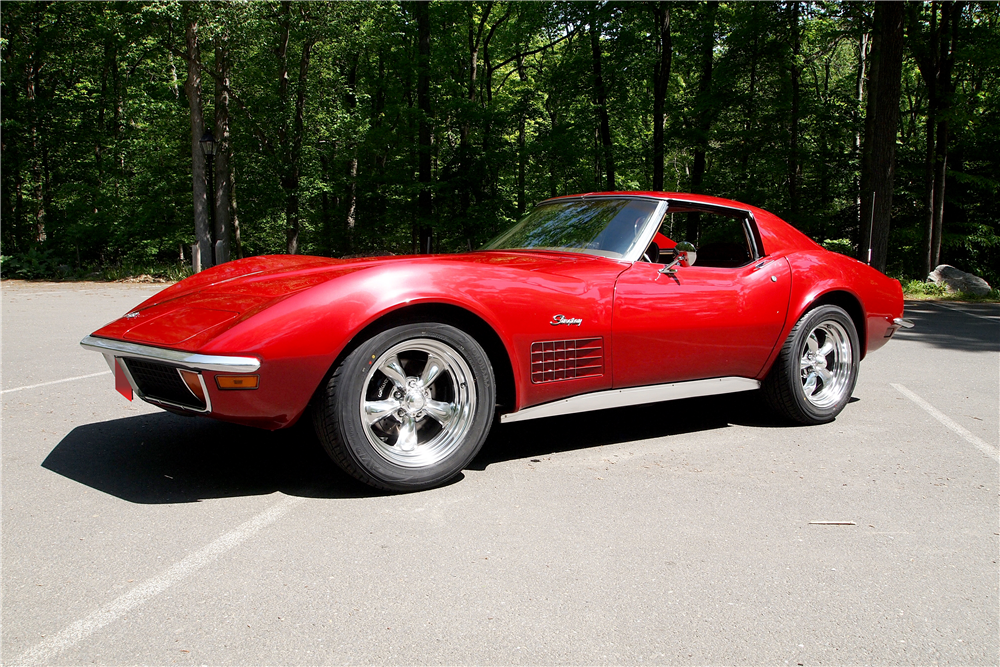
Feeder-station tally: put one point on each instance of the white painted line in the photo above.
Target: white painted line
(44, 652)
(947, 421)
(46, 384)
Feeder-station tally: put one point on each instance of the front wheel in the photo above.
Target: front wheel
(814, 375)
(409, 408)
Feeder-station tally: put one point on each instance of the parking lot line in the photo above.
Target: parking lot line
(45, 384)
(53, 646)
(947, 421)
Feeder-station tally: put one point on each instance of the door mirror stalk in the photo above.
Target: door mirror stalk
(671, 268)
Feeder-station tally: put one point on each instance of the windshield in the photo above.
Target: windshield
(606, 227)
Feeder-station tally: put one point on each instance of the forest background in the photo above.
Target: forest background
(356, 128)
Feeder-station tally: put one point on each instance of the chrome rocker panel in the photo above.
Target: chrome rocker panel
(619, 398)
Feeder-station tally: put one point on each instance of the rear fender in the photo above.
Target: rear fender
(871, 298)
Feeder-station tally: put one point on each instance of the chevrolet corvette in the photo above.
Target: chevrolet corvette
(588, 303)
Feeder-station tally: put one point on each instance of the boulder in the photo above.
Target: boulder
(955, 280)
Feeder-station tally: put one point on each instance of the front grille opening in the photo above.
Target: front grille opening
(162, 382)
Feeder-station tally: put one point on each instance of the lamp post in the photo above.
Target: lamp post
(208, 148)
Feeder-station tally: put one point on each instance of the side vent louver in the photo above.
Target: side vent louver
(555, 360)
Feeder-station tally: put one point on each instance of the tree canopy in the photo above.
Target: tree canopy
(356, 128)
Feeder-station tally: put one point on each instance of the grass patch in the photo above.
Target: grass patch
(918, 290)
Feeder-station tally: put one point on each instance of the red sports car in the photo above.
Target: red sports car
(585, 304)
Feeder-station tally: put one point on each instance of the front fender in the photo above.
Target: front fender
(304, 334)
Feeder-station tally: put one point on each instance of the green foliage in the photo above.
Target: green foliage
(843, 246)
(45, 265)
(31, 265)
(97, 140)
(913, 289)
(920, 290)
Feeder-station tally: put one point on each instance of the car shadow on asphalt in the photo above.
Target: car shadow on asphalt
(552, 435)
(163, 458)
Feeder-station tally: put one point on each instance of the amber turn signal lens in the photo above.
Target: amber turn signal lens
(193, 382)
(237, 381)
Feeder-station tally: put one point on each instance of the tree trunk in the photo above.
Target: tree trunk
(327, 204)
(935, 56)
(794, 168)
(350, 196)
(174, 85)
(424, 202)
(928, 231)
(465, 158)
(102, 129)
(289, 175)
(291, 181)
(36, 174)
(234, 217)
(749, 122)
(881, 120)
(603, 124)
(937, 196)
(10, 150)
(199, 187)
(661, 78)
(522, 158)
(33, 93)
(551, 154)
(376, 209)
(951, 13)
(860, 97)
(290, 138)
(223, 205)
(705, 112)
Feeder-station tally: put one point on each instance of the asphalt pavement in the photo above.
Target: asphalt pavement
(678, 533)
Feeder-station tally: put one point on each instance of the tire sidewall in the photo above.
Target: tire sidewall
(354, 437)
(805, 326)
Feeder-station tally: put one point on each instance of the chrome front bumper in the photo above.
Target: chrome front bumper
(196, 362)
(114, 350)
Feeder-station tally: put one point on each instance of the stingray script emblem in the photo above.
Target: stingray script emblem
(562, 319)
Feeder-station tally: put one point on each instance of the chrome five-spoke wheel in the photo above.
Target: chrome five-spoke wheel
(408, 408)
(418, 403)
(825, 366)
(815, 372)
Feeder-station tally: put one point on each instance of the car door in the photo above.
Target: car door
(699, 321)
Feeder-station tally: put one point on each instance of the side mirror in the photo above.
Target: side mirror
(684, 255)
(690, 253)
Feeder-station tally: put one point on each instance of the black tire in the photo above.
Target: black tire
(814, 375)
(409, 408)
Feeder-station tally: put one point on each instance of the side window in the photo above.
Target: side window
(721, 240)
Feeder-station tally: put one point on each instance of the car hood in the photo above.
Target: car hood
(187, 314)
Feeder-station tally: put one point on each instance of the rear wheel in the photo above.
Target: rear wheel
(409, 408)
(814, 375)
